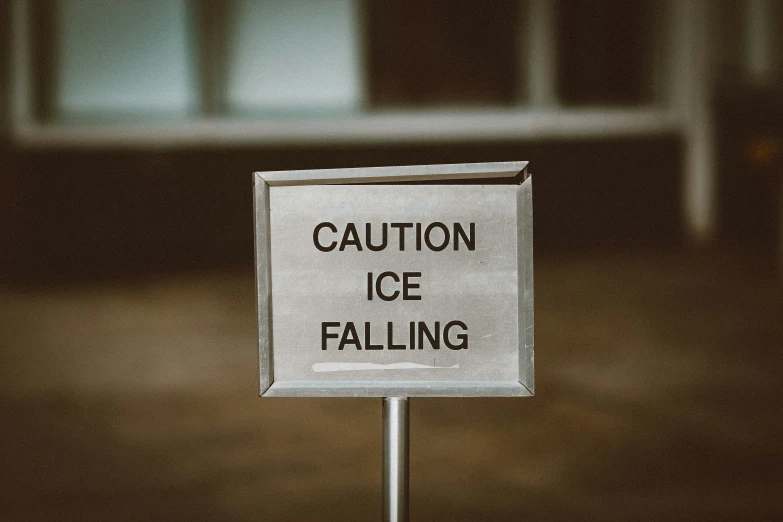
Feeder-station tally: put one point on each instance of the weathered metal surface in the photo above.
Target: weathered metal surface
(435, 301)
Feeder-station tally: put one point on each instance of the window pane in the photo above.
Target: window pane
(295, 55)
(122, 57)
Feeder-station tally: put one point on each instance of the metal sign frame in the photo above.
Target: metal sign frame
(264, 182)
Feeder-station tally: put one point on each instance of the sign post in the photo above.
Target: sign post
(395, 282)
(395, 459)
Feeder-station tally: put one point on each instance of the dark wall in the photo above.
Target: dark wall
(85, 214)
(750, 171)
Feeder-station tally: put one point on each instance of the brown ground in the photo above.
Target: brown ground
(657, 399)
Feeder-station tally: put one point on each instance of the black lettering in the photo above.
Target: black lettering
(470, 242)
(445, 236)
(461, 336)
(317, 243)
(384, 238)
(434, 340)
(325, 333)
(402, 227)
(367, 342)
(354, 337)
(406, 285)
(350, 230)
(391, 344)
(379, 291)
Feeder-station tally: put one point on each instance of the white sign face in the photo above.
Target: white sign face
(380, 290)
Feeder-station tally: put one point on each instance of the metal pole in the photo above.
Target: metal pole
(395, 459)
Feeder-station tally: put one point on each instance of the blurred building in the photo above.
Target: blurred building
(129, 130)
(646, 122)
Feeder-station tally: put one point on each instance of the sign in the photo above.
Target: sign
(379, 290)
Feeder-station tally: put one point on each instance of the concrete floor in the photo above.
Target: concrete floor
(658, 377)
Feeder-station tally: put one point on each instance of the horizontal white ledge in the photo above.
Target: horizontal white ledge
(361, 128)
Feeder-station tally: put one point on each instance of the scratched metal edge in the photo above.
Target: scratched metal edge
(399, 389)
(396, 174)
(269, 388)
(263, 282)
(526, 301)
